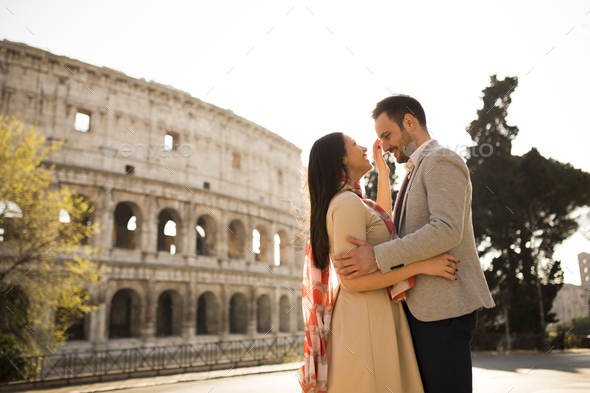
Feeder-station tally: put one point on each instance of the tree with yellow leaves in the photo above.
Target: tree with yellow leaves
(45, 265)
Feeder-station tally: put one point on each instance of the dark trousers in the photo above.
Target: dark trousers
(443, 350)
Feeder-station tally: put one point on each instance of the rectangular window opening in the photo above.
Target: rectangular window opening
(170, 141)
(82, 121)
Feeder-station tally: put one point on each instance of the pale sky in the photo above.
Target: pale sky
(303, 70)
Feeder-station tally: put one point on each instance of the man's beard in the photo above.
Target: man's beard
(408, 148)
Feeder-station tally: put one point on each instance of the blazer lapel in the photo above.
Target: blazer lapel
(427, 150)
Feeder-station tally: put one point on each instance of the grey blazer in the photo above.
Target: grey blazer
(435, 219)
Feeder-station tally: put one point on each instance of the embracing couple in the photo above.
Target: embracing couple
(401, 315)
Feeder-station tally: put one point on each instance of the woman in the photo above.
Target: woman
(357, 338)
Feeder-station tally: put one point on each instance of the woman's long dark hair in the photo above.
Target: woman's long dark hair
(323, 177)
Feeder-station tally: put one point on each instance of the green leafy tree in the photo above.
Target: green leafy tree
(44, 266)
(372, 179)
(523, 206)
(576, 332)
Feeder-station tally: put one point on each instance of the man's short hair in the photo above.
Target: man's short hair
(397, 106)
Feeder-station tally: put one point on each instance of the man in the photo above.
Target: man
(432, 215)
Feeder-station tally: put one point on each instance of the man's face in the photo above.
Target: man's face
(395, 140)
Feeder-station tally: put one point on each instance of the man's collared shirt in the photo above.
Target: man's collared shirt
(416, 157)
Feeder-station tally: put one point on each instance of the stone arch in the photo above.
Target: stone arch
(260, 243)
(207, 314)
(236, 240)
(86, 219)
(206, 229)
(284, 314)
(15, 299)
(169, 314)
(124, 314)
(78, 328)
(126, 228)
(11, 213)
(238, 314)
(169, 231)
(281, 248)
(263, 314)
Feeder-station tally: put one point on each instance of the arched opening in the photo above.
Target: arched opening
(76, 331)
(263, 320)
(238, 314)
(260, 243)
(124, 316)
(168, 227)
(281, 247)
(125, 231)
(10, 227)
(277, 249)
(169, 314)
(73, 317)
(15, 309)
(236, 240)
(206, 235)
(171, 141)
(207, 314)
(82, 220)
(284, 314)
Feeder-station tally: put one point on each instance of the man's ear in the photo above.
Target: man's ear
(410, 122)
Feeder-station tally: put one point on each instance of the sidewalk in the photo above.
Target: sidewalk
(209, 375)
(169, 379)
(527, 352)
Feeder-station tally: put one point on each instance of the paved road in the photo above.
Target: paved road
(556, 372)
(517, 373)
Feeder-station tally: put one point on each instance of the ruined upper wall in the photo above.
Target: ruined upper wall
(216, 151)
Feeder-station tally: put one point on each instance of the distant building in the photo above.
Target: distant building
(574, 300)
(584, 262)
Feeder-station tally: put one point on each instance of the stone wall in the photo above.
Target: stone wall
(214, 169)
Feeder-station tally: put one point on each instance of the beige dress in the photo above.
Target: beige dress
(370, 348)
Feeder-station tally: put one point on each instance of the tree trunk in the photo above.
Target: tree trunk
(541, 308)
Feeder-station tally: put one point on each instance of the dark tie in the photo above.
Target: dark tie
(398, 208)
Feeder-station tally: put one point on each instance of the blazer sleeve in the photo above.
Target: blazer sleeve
(446, 181)
(349, 217)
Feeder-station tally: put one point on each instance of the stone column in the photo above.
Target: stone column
(275, 311)
(190, 312)
(252, 310)
(150, 310)
(222, 237)
(271, 243)
(249, 228)
(189, 243)
(106, 218)
(98, 324)
(224, 310)
(294, 313)
(98, 330)
(149, 227)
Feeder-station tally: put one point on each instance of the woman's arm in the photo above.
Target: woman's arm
(383, 186)
(435, 266)
(349, 216)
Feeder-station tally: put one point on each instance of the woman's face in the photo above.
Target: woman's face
(355, 160)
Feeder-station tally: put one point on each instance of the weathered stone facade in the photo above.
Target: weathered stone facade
(215, 170)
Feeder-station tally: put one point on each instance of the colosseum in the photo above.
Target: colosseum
(193, 203)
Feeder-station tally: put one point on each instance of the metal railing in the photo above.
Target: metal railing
(69, 366)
